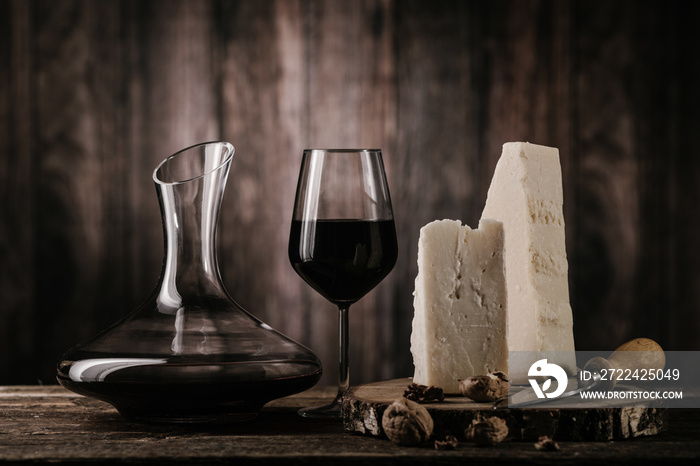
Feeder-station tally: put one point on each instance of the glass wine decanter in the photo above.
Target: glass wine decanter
(189, 353)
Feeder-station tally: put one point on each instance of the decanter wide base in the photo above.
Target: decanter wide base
(191, 403)
(189, 353)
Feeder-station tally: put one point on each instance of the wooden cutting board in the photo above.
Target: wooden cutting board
(364, 405)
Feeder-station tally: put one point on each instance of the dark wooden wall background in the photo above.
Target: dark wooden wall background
(93, 94)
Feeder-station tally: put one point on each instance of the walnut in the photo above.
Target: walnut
(423, 393)
(483, 388)
(406, 422)
(447, 443)
(487, 432)
(545, 443)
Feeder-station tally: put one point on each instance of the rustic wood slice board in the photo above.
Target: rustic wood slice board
(364, 405)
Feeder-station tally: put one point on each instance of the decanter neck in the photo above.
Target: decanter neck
(190, 210)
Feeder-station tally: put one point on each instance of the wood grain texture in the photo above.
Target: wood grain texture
(364, 406)
(93, 96)
(17, 195)
(50, 424)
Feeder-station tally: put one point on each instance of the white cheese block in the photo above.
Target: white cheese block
(526, 195)
(459, 323)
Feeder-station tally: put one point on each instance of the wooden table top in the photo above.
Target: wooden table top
(49, 423)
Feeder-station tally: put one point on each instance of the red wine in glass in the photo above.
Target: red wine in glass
(343, 239)
(344, 258)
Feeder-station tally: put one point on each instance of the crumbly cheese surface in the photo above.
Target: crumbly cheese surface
(459, 323)
(526, 196)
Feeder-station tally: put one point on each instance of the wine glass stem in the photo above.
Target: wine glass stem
(343, 331)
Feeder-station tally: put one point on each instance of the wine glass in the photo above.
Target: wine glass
(343, 238)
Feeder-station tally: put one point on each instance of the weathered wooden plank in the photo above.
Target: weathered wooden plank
(607, 244)
(69, 194)
(526, 82)
(96, 95)
(683, 219)
(264, 115)
(173, 102)
(262, 83)
(87, 201)
(655, 101)
(107, 79)
(373, 323)
(41, 424)
(434, 175)
(350, 103)
(17, 194)
(364, 406)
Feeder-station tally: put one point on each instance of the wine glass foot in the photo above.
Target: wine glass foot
(329, 411)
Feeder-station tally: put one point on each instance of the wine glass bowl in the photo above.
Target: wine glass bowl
(343, 259)
(343, 239)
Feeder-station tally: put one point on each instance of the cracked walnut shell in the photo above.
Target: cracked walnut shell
(484, 388)
(487, 432)
(406, 422)
(423, 393)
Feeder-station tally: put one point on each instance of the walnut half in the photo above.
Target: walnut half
(544, 443)
(484, 388)
(406, 422)
(449, 442)
(487, 432)
(423, 394)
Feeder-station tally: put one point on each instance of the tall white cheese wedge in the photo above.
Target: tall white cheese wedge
(526, 195)
(459, 322)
